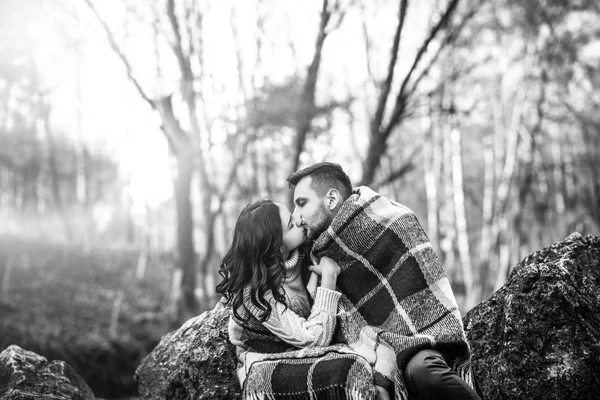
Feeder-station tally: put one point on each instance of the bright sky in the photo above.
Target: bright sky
(90, 90)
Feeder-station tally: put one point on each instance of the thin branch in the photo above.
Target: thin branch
(238, 49)
(177, 137)
(407, 166)
(199, 51)
(466, 71)
(157, 33)
(260, 32)
(184, 66)
(450, 35)
(580, 116)
(190, 12)
(306, 109)
(341, 14)
(399, 106)
(117, 49)
(367, 43)
(387, 84)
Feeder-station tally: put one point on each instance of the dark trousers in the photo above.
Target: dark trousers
(429, 377)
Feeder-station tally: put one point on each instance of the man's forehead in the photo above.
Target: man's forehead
(304, 189)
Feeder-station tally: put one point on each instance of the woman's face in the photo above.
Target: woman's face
(293, 236)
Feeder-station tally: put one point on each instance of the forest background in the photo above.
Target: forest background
(132, 133)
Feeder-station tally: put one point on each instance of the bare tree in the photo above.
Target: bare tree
(384, 123)
(53, 168)
(189, 146)
(183, 147)
(306, 109)
(431, 166)
(82, 168)
(462, 235)
(500, 226)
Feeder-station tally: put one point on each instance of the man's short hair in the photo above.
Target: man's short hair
(325, 176)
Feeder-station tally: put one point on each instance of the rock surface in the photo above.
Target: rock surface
(194, 362)
(24, 375)
(538, 337)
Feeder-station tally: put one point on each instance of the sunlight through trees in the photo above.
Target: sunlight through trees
(150, 124)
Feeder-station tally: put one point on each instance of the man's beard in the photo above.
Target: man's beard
(324, 219)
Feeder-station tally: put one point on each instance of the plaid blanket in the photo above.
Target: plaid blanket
(328, 373)
(269, 368)
(396, 299)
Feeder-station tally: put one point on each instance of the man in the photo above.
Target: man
(399, 311)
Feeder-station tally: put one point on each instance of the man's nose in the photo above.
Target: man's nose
(297, 219)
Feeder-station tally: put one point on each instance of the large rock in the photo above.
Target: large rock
(538, 337)
(24, 375)
(194, 362)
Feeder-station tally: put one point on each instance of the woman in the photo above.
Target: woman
(276, 331)
(263, 284)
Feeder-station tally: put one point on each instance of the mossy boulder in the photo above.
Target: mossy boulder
(25, 375)
(538, 337)
(197, 361)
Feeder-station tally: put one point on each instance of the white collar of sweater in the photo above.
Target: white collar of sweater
(290, 265)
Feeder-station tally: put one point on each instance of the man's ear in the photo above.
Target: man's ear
(333, 199)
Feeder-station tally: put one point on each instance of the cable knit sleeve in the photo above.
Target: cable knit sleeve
(316, 330)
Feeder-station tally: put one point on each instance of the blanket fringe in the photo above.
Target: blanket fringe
(332, 393)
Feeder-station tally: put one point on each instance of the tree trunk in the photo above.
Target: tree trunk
(558, 178)
(255, 169)
(503, 242)
(491, 153)
(54, 176)
(569, 173)
(431, 164)
(81, 166)
(528, 171)
(4, 193)
(462, 235)
(446, 212)
(501, 234)
(376, 150)
(184, 146)
(378, 133)
(31, 175)
(306, 107)
(144, 249)
(185, 236)
(207, 284)
(488, 200)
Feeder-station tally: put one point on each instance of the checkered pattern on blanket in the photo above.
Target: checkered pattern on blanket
(396, 299)
(269, 368)
(328, 373)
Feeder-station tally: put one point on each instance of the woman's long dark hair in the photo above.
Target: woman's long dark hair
(254, 259)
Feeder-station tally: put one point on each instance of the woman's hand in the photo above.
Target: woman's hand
(329, 271)
(326, 266)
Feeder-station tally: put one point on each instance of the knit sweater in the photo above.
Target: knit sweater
(291, 325)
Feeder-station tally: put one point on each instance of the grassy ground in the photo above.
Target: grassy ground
(58, 302)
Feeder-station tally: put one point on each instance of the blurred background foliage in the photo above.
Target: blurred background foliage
(132, 133)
